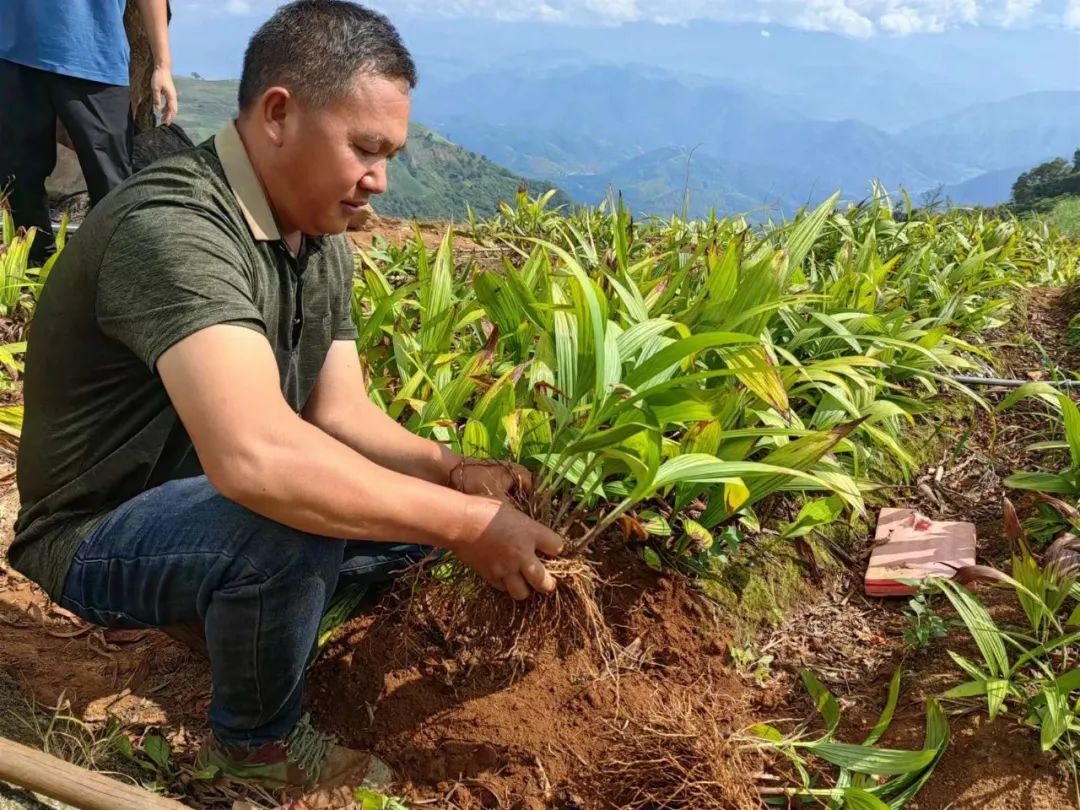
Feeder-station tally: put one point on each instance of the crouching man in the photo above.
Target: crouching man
(199, 444)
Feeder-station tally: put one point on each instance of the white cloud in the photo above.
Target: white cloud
(834, 15)
(905, 21)
(614, 10)
(766, 33)
(1018, 11)
(858, 18)
(1072, 15)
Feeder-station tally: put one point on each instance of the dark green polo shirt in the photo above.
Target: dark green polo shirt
(188, 243)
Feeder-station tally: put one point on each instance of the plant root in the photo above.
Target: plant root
(675, 755)
(482, 627)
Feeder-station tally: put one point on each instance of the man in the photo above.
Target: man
(68, 59)
(198, 434)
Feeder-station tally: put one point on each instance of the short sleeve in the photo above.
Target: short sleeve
(171, 271)
(345, 328)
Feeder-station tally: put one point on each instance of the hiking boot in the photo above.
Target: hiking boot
(307, 760)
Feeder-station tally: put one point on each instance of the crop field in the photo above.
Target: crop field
(714, 411)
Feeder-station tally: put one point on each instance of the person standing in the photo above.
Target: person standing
(68, 60)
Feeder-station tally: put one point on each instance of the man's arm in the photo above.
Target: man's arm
(223, 382)
(155, 17)
(340, 406)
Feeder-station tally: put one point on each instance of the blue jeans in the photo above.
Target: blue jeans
(181, 552)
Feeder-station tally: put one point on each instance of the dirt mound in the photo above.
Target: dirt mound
(646, 730)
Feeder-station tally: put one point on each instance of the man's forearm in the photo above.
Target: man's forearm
(304, 478)
(377, 437)
(155, 18)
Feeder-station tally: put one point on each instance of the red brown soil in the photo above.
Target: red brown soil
(399, 232)
(562, 733)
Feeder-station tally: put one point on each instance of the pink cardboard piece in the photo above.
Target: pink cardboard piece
(911, 546)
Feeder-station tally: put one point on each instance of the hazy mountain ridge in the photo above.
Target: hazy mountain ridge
(433, 178)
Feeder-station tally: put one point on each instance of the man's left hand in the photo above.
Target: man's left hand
(495, 479)
(163, 94)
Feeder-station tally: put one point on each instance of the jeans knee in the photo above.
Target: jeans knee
(275, 548)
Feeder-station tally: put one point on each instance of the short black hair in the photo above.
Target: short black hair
(316, 47)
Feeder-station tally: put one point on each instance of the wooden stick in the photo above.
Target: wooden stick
(85, 790)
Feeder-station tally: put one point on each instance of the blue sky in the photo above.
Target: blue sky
(856, 18)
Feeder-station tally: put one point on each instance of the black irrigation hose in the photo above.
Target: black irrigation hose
(997, 383)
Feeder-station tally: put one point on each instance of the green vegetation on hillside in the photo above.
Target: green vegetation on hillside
(432, 179)
(1066, 215)
(436, 179)
(205, 106)
(1044, 186)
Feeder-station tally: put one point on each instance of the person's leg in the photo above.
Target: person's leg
(98, 120)
(27, 150)
(371, 563)
(182, 552)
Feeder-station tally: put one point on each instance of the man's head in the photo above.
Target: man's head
(324, 104)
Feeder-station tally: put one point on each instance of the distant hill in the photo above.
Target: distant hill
(1023, 130)
(600, 126)
(436, 179)
(432, 179)
(989, 188)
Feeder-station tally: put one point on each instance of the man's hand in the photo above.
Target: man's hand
(502, 548)
(493, 479)
(163, 93)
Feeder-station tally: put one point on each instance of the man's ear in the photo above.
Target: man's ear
(275, 104)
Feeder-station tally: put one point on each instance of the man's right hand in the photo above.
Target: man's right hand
(501, 544)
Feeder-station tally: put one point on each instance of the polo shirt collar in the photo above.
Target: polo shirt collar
(245, 185)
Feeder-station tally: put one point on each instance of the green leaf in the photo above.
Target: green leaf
(671, 355)
(1055, 718)
(475, 440)
(605, 438)
(1048, 483)
(123, 746)
(205, 773)
(806, 231)
(1071, 415)
(698, 534)
(886, 717)
(988, 638)
(652, 559)
(757, 371)
(158, 750)
(968, 689)
(996, 690)
(766, 732)
(859, 799)
(869, 760)
(813, 514)
(824, 701)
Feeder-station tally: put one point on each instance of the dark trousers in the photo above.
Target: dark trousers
(181, 552)
(97, 117)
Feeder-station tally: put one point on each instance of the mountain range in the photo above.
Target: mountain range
(740, 117)
(653, 136)
(432, 179)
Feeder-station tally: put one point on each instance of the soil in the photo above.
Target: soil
(560, 726)
(562, 733)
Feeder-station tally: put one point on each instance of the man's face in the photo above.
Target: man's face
(332, 159)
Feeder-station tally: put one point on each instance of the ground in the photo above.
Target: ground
(563, 728)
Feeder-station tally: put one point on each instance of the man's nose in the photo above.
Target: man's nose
(376, 180)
